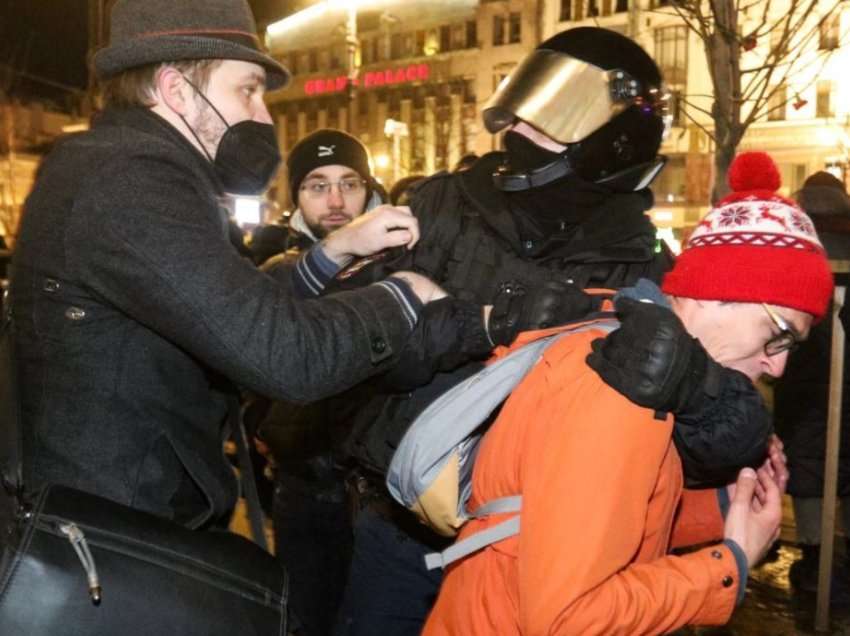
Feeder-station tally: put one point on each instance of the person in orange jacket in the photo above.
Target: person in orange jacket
(601, 482)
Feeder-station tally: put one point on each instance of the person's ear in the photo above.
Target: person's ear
(172, 90)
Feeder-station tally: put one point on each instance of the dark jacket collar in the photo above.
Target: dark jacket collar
(148, 122)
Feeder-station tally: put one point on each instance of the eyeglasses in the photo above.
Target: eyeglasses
(347, 187)
(786, 340)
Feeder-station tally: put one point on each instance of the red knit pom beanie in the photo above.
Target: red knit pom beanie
(754, 246)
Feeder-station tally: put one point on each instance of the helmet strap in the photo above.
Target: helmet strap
(508, 181)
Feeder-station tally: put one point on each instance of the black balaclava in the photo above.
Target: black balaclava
(524, 155)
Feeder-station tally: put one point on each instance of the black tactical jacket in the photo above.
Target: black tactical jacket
(471, 245)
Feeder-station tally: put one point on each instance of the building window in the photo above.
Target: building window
(292, 123)
(366, 52)
(621, 5)
(409, 45)
(332, 117)
(362, 113)
(776, 103)
(829, 32)
(824, 99)
(471, 34)
(312, 60)
(336, 60)
(566, 10)
(293, 63)
(498, 30)
(592, 8)
(514, 28)
(396, 44)
(469, 91)
(312, 116)
(445, 38)
(324, 60)
(420, 43)
(458, 37)
(671, 55)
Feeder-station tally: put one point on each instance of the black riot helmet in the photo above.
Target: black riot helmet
(598, 93)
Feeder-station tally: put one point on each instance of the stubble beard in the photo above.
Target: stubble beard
(321, 231)
(208, 126)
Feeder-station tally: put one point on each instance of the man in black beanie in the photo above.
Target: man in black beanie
(330, 180)
(331, 184)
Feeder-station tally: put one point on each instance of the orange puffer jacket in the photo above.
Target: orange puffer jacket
(602, 505)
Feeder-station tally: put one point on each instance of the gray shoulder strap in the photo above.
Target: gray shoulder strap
(475, 542)
(489, 393)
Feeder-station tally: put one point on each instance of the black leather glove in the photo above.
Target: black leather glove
(652, 360)
(517, 308)
(449, 333)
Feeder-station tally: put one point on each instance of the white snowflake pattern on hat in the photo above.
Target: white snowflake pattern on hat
(755, 221)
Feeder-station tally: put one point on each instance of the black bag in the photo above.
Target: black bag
(73, 563)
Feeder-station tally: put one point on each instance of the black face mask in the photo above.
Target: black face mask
(524, 155)
(247, 156)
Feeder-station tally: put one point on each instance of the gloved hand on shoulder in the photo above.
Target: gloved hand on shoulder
(652, 359)
(722, 424)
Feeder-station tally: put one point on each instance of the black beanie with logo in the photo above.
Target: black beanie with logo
(326, 147)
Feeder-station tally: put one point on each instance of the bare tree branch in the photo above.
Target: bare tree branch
(745, 93)
(696, 122)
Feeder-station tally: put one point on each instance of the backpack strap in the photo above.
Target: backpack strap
(474, 542)
(453, 418)
(487, 394)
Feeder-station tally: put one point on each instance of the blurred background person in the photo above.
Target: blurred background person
(801, 402)
(401, 190)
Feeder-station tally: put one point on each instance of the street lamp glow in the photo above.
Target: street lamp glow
(246, 210)
(382, 161)
(319, 10)
(298, 20)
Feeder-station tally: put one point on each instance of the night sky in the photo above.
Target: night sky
(45, 42)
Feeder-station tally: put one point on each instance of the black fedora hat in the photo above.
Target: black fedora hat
(151, 31)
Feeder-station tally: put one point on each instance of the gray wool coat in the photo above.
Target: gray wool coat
(136, 318)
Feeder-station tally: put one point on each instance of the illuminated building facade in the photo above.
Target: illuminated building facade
(805, 129)
(431, 74)
(434, 75)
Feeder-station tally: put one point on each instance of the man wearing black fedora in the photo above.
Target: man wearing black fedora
(136, 318)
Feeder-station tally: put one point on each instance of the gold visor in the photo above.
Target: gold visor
(563, 97)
